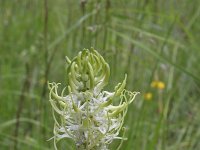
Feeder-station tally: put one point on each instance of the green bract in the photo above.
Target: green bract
(87, 114)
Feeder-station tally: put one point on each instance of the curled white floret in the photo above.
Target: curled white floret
(87, 113)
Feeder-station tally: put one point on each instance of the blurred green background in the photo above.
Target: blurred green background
(153, 41)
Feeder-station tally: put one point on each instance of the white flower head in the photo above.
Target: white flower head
(87, 113)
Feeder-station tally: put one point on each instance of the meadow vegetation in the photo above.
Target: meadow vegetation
(155, 42)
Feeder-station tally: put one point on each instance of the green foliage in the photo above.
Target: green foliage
(148, 40)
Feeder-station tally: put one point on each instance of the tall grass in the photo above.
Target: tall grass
(148, 40)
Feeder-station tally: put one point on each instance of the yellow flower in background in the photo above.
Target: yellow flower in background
(154, 84)
(148, 96)
(158, 85)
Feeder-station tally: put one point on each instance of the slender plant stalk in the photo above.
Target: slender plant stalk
(107, 8)
(45, 45)
(20, 107)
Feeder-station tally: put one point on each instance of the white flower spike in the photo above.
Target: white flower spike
(87, 114)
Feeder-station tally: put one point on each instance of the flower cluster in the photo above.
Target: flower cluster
(158, 85)
(86, 113)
